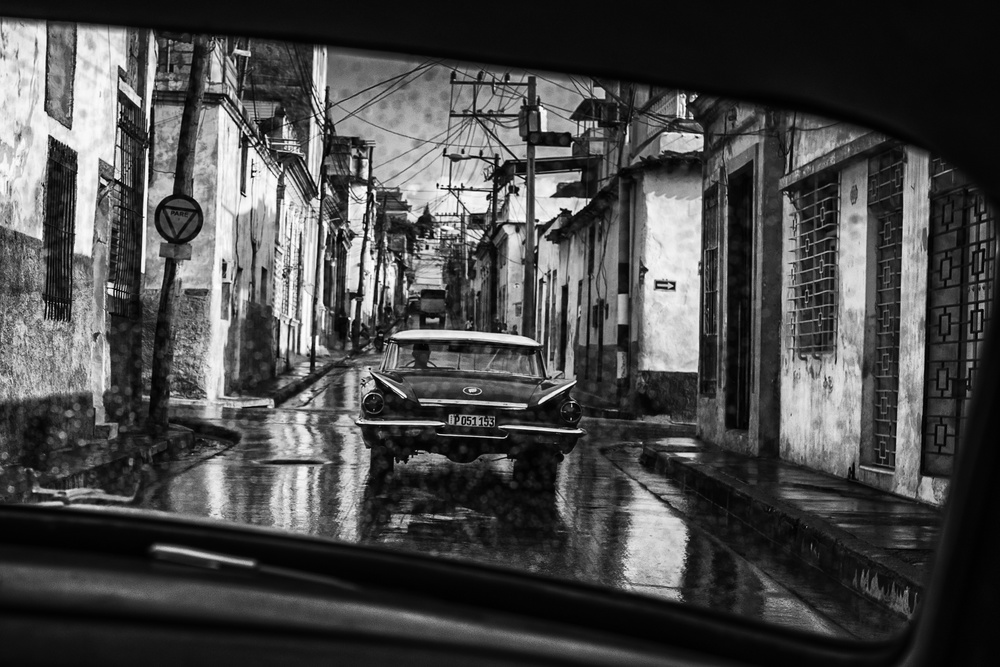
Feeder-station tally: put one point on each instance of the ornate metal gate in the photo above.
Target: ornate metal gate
(885, 199)
(125, 247)
(962, 264)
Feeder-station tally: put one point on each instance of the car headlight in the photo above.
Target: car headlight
(373, 403)
(571, 411)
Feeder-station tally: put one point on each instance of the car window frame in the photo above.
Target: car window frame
(969, 509)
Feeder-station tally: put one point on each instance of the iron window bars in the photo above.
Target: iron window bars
(59, 231)
(125, 251)
(962, 245)
(885, 201)
(813, 278)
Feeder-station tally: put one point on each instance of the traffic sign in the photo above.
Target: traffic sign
(178, 218)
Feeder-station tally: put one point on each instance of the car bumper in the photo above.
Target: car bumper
(436, 436)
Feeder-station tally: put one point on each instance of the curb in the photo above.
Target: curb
(208, 429)
(292, 388)
(869, 571)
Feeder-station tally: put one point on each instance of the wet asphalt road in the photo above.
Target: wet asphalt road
(303, 467)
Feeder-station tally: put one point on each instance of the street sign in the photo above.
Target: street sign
(178, 218)
(665, 285)
(175, 251)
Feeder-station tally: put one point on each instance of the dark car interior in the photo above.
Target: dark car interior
(91, 585)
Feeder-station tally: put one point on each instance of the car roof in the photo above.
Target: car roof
(461, 335)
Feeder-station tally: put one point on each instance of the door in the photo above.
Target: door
(739, 293)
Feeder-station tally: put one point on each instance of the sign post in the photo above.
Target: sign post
(178, 219)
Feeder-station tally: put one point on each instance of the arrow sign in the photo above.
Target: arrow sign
(178, 218)
(665, 285)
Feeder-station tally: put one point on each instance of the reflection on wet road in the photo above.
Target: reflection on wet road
(304, 468)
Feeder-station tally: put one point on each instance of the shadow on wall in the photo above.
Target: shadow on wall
(192, 331)
(256, 346)
(662, 393)
(124, 393)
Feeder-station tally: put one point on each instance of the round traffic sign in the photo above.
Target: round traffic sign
(178, 218)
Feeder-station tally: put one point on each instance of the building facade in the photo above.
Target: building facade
(72, 220)
(739, 397)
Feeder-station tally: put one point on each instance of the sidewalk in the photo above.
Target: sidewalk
(876, 543)
(97, 466)
(280, 388)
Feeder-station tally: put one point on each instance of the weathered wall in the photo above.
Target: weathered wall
(256, 348)
(739, 149)
(46, 399)
(667, 229)
(909, 480)
(825, 406)
(53, 375)
(668, 226)
(197, 350)
(822, 397)
(739, 137)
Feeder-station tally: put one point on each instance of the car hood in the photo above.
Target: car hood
(422, 386)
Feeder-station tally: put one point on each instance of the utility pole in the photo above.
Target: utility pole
(319, 232)
(377, 299)
(463, 273)
(187, 144)
(491, 312)
(528, 298)
(364, 250)
(479, 115)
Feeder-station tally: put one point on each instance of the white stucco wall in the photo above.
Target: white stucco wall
(25, 127)
(821, 398)
(824, 410)
(668, 223)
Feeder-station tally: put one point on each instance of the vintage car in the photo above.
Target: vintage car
(464, 394)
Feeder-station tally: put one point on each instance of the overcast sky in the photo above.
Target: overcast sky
(410, 124)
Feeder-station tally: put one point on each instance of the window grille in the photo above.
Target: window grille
(813, 278)
(885, 201)
(59, 231)
(709, 357)
(962, 244)
(125, 244)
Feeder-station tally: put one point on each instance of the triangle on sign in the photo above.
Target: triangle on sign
(178, 217)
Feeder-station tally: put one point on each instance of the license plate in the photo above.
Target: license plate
(477, 421)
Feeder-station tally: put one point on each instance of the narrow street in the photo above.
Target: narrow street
(303, 467)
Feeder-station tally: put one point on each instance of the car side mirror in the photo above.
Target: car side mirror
(558, 376)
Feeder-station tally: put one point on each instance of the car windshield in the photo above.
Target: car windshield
(463, 356)
(753, 333)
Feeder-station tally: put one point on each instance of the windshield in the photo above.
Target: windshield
(770, 321)
(459, 356)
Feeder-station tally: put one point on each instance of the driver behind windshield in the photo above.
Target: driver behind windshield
(421, 354)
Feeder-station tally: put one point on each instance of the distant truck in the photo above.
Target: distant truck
(433, 306)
